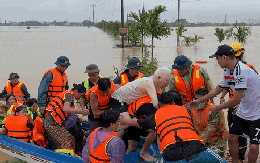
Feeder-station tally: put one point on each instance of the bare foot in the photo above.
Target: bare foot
(147, 157)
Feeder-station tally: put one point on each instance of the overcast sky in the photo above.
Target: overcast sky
(79, 10)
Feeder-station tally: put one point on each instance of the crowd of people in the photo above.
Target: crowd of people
(174, 109)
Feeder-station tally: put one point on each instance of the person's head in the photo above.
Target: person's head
(239, 50)
(169, 98)
(11, 99)
(134, 65)
(14, 78)
(162, 77)
(62, 63)
(178, 98)
(21, 110)
(2, 97)
(79, 91)
(3, 107)
(104, 86)
(110, 118)
(182, 65)
(92, 71)
(32, 103)
(199, 94)
(224, 54)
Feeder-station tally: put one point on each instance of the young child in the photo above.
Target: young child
(20, 125)
(33, 108)
(103, 143)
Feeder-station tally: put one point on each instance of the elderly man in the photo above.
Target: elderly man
(188, 78)
(18, 89)
(146, 86)
(53, 82)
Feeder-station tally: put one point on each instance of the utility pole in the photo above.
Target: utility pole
(127, 27)
(93, 13)
(178, 37)
(122, 21)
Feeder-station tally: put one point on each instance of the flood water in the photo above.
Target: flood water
(31, 52)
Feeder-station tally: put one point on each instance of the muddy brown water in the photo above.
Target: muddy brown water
(31, 52)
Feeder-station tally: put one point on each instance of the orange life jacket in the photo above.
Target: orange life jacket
(16, 91)
(202, 123)
(39, 136)
(197, 82)
(103, 101)
(56, 107)
(173, 125)
(16, 127)
(134, 106)
(57, 85)
(125, 80)
(100, 155)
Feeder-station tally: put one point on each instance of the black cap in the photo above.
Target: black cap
(181, 62)
(134, 63)
(63, 61)
(13, 76)
(224, 50)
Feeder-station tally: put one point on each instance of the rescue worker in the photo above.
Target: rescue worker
(57, 111)
(210, 126)
(20, 125)
(99, 100)
(18, 89)
(53, 82)
(146, 86)
(93, 76)
(130, 74)
(239, 50)
(244, 82)
(188, 78)
(103, 144)
(176, 137)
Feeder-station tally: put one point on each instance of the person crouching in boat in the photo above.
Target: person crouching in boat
(20, 125)
(103, 144)
(176, 137)
(39, 136)
(211, 126)
(57, 111)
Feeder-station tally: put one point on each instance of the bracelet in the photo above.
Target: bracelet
(221, 97)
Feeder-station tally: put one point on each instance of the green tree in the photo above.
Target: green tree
(134, 33)
(180, 30)
(220, 33)
(239, 32)
(156, 28)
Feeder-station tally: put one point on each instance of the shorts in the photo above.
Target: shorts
(134, 133)
(207, 156)
(251, 128)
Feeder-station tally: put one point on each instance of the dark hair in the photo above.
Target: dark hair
(79, 87)
(10, 95)
(231, 56)
(31, 102)
(104, 84)
(109, 116)
(2, 96)
(19, 108)
(169, 97)
(202, 92)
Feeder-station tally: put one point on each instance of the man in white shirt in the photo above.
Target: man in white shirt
(244, 82)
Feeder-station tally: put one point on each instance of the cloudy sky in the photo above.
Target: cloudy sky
(79, 10)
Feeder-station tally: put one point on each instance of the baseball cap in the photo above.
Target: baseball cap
(223, 50)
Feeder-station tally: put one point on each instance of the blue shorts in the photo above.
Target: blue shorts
(207, 156)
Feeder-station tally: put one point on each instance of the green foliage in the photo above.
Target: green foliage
(195, 39)
(111, 27)
(180, 30)
(150, 65)
(220, 33)
(134, 33)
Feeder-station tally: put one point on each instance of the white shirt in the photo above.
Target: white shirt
(127, 93)
(244, 78)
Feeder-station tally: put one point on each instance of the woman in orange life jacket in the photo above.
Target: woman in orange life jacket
(11, 101)
(239, 49)
(176, 137)
(210, 126)
(57, 111)
(103, 144)
(20, 125)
